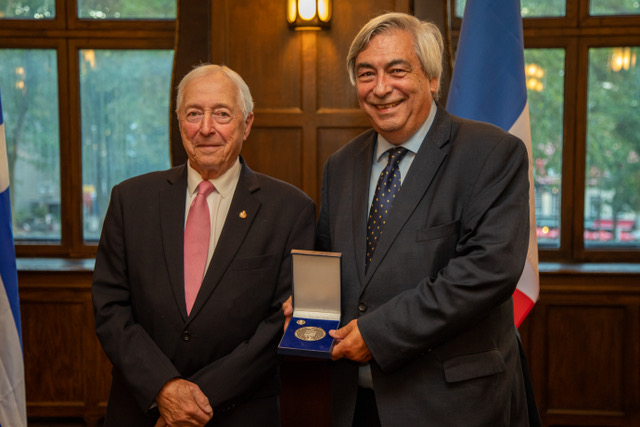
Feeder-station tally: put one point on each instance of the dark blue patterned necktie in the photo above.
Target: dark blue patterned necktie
(386, 190)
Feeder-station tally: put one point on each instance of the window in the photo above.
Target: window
(544, 73)
(85, 97)
(612, 177)
(529, 8)
(583, 85)
(28, 83)
(124, 123)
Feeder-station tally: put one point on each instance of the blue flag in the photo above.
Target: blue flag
(12, 391)
(488, 84)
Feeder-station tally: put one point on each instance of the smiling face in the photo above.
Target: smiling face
(393, 90)
(212, 125)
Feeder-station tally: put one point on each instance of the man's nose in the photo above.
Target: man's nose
(382, 85)
(208, 124)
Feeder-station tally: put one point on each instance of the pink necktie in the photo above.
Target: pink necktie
(196, 243)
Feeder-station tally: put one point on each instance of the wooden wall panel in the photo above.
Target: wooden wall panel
(66, 374)
(329, 141)
(581, 340)
(278, 151)
(264, 51)
(585, 346)
(53, 323)
(582, 343)
(305, 398)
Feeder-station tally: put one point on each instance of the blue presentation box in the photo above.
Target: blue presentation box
(316, 304)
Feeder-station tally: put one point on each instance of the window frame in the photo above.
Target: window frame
(576, 33)
(581, 252)
(68, 34)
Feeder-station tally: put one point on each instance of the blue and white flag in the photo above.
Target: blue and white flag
(488, 84)
(13, 411)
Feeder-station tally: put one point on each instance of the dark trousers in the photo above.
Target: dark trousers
(366, 413)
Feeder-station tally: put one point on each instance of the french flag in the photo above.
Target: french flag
(12, 393)
(488, 84)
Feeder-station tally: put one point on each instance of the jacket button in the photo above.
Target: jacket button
(362, 307)
(186, 336)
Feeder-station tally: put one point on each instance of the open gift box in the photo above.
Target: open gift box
(316, 304)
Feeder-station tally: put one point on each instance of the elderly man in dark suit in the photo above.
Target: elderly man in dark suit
(192, 331)
(430, 212)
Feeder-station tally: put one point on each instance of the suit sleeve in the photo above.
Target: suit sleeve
(488, 261)
(237, 374)
(131, 350)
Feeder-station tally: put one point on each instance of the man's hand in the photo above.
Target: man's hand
(287, 308)
(182, 403)
(350, 344)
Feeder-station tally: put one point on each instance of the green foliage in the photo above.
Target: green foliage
(613, 140)
(92, 9)
(124, 98)
(614, 7)
(127, 9)
(546, 112)
(28, 9)
(29, 85)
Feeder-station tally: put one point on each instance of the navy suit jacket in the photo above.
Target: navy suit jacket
(228, 344)
(435, 305)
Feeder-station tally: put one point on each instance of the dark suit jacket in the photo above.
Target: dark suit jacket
(435, 305)
(228, 343)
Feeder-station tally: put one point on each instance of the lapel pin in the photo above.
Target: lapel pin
(243, 214)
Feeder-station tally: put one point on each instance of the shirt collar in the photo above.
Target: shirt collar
(224, 184)
(414, 142)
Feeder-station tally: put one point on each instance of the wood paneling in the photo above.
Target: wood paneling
(261, 48)
(329, 141)
(67, 375)
(192, 47)
(582, 343)
(581, 339)
(266, 148)
(585, 347)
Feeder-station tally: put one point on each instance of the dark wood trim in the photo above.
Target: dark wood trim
(192, 47)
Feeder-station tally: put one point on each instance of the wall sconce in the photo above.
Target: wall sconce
(309, 14)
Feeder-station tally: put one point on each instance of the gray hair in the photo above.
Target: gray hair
(246, 101)
(427, 41)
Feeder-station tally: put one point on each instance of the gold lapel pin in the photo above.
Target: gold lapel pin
(243, 214)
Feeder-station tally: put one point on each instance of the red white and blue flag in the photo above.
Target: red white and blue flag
(488, 84)
(12, 393)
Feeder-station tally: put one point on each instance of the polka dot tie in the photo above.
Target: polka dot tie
(196, 243)
(386, 190)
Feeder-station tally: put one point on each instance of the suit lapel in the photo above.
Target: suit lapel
(424, 168)
(361, 173)
(172, 210)
(234, 232)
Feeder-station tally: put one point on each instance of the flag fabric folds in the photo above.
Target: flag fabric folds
(488, 84)
(12, 389)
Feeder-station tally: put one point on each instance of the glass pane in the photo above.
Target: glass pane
(29, 84)
(614, 7)
(528, 8)
(27, 9)
(612, 188)
(127, 9)
(544, 70)
(124, 98)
